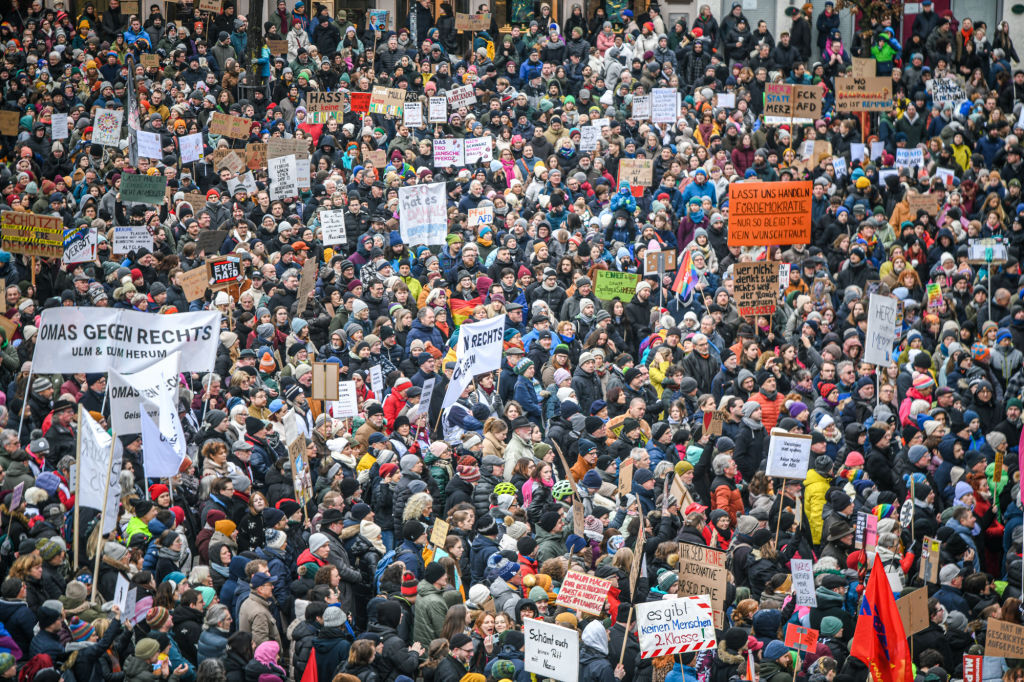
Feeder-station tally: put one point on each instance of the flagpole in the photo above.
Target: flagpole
(625, 636)
(103, 513)
(24, 402)
(78, 480)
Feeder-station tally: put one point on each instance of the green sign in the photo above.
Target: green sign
(611, 284)
(144, 189)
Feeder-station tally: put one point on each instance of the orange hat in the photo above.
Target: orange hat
(267, 364)
(225, 527)
(300, 246)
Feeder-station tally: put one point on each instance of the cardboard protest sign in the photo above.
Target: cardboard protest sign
(150, 61)
(128, 238)
(9, 121)
(144, 189)
(439, 533)
(930, 560)
(235, 127)
(626, 476)
(637, 172)
(378, 158)
(210, 241)
(777, 101)
(789, 454)
(913, 608)
(762, 213)
(307, 282)
(881, 334)
(278, 47)
(611, 284)
(864, 67)
(551, 651)
(582, 592)
(702, 571)
(800, 638)
(302, 480)
(255, 155)
(388, 101)
(194, 283)
(803, 581)
(224, 270)
(1004, 639)
(325, 381)
(672, 626)
(472, 22)
(325, 105)
(31, 234)
(872, 93)
(478, 150)
(213, 6)
(756, 287)
(278, 147)
(659, 262)
(924, 202)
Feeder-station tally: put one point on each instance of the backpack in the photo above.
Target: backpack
(385, 561)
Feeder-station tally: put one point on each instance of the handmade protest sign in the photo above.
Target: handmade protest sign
(194, 282)
(59, 126)
(923, 202)
(9, 122)
(777, 102)
(702, 571)
(726, 99)
(283, 175)
(106, 127)
(388, 101)
(610, 284)
(800, 638)
(326, 376)
(32, 235)
(803, 581)
(589, 136)
(909, 158)
(123, 340)
(881, 334)
(472, 22)
(278, 147)
(191, 147)
(478, 150)
(332, 227)
(756, 287)
(626, 476)
(437, 110)
(973, 665)
(552, 651)
(637, 172)
(870, 93)
(235, 127)
(1004, 639)
(763, 213)
(582, 592)
(946, 90)
(279, 47)
(128, 238)
(144, 189)
(325, 105)
(930, 560)
(664, 105)
(439, 533)
(673, 626)
(307, 282)
(413, 114)
(255, 155)
(789, 454)
(461, 97)
(482, 215)
(79, 245)
(449, 151)
(149, 144)
(347, 404)
(641, 107)
(913, 608)
(478, 351)
(422, 213)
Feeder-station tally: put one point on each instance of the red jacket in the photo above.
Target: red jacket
(769, 409)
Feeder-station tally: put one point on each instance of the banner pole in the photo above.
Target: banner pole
(78, 483)
(625, 636)
(103, 514)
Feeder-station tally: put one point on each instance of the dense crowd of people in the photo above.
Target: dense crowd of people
(244, 578)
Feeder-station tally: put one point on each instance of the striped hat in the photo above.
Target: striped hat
(81, 630)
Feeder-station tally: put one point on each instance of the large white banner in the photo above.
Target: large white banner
(156, 383)
(881, 336)
(478, 352)
(102, 339)
(552, 651)
(160, 456)
(94, 460)
(423, 214)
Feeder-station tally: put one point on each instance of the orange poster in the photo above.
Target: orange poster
(769, 213)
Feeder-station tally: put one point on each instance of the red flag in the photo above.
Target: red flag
(310, 674)
(880, 641)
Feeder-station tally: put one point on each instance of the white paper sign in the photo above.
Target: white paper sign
(125, 340)
(412, 115)
(670, 626)
(94, 456)
(106, 127)
(552, 651)
(788, 454)
(857, 151)
(588, 138)
(907, 158)
(839, 166)
(449, 151)
(428, 392)
(478, 351)
(807, 149)
(283, 174)
(191, 147)
(121, 592)
(423, 213)
(727, 100)
(784, 277)
(244, 181)
(482, 215)
(478, 149)
(946, 174)
(149, 144)
(437, 110)
(59, 126)
(160, 458)
(881, 334)
(332, 227)
(803, 581)
(302, 179)
(664, 108)
(82, 249)
(641, 107)
(377, 382)
(877, 149)
(461, 97)
(347, 404)
(601, 123)
(128, 238)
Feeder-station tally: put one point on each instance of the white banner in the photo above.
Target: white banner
(664, 105)
(191, 147)
(672, 626)
(149, 145)
(423, 213)
(103, 339)
(789, 454)
(552, 651)
(478, 352)
(332, 227)
(881, 336)
(478, 149)
(152, 386)
(128, 238)
(161, 458)
(449, 151)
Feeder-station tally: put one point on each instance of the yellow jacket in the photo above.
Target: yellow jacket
(815, 487)
(657, 373)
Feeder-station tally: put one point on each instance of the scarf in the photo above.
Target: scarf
(754, 425)
(168, 553)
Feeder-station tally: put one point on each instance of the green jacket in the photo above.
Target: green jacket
(428, 613)
(135, 525)
(550, 545)
(771, 671)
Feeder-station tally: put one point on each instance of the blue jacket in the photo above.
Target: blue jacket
(424, 333)
(479, 552)
(526, 396)
(953, 599)
(529, 70)
(411, 554)
(695, 190)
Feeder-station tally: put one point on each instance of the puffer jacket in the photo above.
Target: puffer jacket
(213, 643)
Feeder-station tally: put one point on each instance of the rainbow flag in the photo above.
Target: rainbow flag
(686, 277)
(461, 310)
